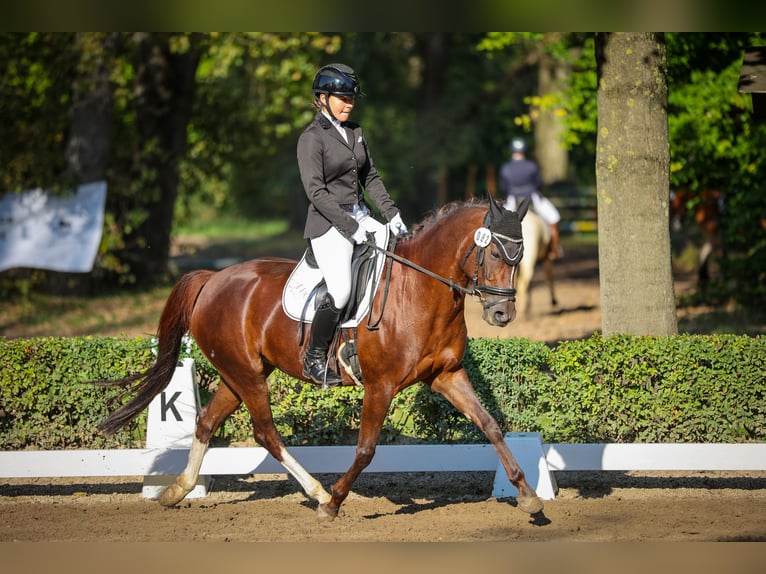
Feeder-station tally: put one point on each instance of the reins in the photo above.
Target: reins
(404, 261)
(478, 290)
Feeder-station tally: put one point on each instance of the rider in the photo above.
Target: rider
(520, 178)
(336, 168)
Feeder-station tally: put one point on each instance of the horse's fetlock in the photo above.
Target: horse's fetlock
(325, 512)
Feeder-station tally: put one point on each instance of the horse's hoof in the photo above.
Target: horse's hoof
(172, 495)
(325, 514)
(530, 505)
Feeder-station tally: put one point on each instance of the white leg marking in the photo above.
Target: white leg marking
(188, 478)
(185, 481)
(310, 485)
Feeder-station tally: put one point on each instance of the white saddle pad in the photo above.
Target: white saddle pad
(304, 279)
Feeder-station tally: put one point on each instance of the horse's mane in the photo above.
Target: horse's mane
(438, 214)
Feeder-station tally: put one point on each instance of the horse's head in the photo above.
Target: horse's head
(499, 248)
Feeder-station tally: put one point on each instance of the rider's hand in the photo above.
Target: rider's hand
(396, 225)
(360, 235)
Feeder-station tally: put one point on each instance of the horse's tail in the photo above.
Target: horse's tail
(174, 324)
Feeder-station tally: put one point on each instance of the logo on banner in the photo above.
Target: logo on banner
(45, 231)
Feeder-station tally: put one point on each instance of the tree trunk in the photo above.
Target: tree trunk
(433, 48)
(89, 141)
(165, 81)
(549, 128)
(90, 135)
(632, 178)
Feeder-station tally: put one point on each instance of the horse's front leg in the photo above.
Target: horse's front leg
(457, 389)
(374, 409)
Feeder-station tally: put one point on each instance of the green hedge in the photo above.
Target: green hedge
(685, 388)
(617, 389)
(45, 401)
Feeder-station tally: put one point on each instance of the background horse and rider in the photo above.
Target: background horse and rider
(236, 319)
(537, 249)
(704, 210)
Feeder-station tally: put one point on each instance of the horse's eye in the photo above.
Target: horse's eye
(495, 254)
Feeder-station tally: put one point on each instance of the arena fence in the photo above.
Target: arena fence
(170, 427)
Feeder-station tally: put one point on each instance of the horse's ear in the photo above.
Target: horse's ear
(523, 207)
(493, 206)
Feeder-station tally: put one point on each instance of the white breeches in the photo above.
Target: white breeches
(333, 252)
(542, 206)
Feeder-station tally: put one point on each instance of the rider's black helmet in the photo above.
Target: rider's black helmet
(337, 79)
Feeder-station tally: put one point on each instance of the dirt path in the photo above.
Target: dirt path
(408, 507)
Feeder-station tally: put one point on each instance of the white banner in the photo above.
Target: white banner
(61, 233)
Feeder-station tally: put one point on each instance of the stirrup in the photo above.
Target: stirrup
(320, 373)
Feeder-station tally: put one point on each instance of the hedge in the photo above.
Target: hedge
(46, 401)
(686, 388)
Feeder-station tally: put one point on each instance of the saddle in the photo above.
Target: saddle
(306, 284)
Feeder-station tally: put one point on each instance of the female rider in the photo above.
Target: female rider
(336, 168)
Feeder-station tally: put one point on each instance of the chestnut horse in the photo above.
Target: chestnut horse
(706, 207)
(236, 319)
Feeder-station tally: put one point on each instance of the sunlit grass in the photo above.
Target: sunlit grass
(231, 227)
(133, 313)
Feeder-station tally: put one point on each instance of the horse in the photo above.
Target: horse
(235, 317)
(706, 207)
(537, 247)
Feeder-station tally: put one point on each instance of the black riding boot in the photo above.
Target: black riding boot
(315, 365)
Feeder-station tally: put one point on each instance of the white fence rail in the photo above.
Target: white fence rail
(397, 458)
(171, 424)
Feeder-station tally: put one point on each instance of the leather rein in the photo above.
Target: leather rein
(477, 290)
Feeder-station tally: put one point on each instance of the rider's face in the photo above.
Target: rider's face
(341, 106)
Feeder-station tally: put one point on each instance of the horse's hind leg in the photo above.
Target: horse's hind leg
(223, 403)
(549, 277)
(457, 389)
(256, 398)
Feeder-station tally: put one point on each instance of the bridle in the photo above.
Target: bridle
(481, 240)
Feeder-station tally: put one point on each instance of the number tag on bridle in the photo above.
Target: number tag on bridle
(482, 237)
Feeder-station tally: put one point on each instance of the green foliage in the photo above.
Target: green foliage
(37, 70)
(619, 389)
(457, 95)
(307, 415)
(47, 401)
(716, 145)
(253, 98)
(505, 374)
(655, 389)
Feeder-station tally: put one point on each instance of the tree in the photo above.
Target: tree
(90, 132)
(164, 91)
(714, 145)
(549, 56)
(115, 106)
(632, 179)
(36, 71)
